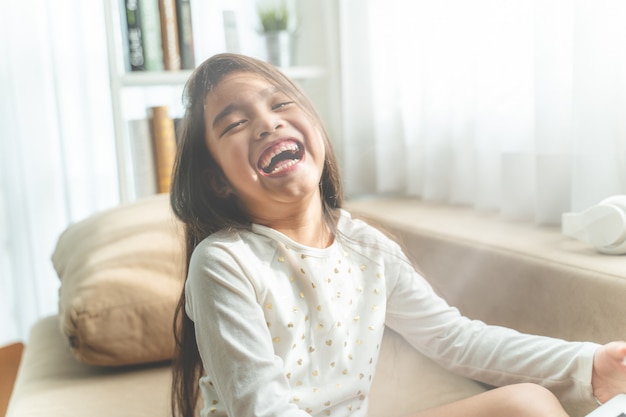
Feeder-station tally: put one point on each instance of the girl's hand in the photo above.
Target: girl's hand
(609, 371)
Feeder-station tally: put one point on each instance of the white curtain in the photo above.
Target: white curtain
(57, 159)
(517, 106)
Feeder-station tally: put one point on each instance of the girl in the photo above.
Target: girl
(287, 296)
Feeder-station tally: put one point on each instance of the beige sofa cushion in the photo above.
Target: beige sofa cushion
(52, 383)
(407, 381)
(121, 274)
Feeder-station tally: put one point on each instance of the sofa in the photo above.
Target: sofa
(107, 351)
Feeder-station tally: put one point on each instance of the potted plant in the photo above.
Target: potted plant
(276, 22)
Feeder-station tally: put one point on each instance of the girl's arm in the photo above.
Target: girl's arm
(492, 354)
(233, 338)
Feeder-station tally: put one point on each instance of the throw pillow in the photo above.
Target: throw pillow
(121, 274)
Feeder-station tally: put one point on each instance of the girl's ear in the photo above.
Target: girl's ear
(218, 183)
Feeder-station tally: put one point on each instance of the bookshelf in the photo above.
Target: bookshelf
(133, 92)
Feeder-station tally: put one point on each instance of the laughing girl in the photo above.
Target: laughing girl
(287, 296)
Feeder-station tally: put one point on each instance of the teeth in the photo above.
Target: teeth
(267, 160)
(283, 166)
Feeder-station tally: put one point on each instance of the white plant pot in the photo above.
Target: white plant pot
(279, 48)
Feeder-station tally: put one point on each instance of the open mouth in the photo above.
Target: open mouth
(280, 157)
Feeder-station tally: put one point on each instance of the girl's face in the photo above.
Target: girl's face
(269, 149)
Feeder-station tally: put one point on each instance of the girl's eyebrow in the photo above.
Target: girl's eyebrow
(227, 110)
(263, 94)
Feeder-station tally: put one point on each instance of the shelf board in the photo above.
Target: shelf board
(303, 73)
(148, 78)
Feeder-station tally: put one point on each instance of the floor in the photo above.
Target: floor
(10, 357)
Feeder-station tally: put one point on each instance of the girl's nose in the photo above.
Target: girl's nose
(268, 126)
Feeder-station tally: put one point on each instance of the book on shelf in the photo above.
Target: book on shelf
(132, 36)
(169, 35)
(150, 20)
(185, 34)
(157, 35)
(164, 145)
(142, 156)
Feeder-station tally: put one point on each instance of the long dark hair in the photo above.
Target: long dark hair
(203, 212)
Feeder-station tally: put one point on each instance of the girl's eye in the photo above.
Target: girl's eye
(281, 105)
(233, 126)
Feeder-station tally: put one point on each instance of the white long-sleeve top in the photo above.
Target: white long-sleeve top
(288, 330)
